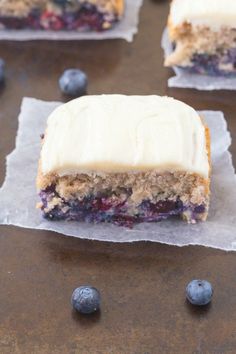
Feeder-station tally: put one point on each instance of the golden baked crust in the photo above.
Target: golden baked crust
(19, 8)
(120, 6)
(208, 148)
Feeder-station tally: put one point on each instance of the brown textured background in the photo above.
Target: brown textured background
(142, 284)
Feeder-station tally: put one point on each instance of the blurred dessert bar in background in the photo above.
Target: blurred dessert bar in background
(55, 15)
(203, 34)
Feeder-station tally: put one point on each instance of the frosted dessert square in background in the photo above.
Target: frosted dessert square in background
(203, 35)
(124, 159)
(56, 15)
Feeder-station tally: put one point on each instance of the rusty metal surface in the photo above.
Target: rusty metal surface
(143, 309)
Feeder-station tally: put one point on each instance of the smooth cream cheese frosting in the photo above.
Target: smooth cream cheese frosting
(118, 133)
(212, 13)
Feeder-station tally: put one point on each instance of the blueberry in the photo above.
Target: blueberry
(2, 70)
(199, 292)
(73, 82)
(86, 299)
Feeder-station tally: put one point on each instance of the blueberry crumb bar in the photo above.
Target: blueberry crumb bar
(203, 34)
(124, 159)
(56, 15)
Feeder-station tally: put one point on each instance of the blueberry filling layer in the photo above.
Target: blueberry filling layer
(220, 64)
(88, 17)
(109, 207)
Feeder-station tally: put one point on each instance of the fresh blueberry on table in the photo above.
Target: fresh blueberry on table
(73, 82)
(199, 292)
(86, 299)
(2, 70)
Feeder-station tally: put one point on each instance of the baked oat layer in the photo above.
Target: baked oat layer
(201, 45)
(125, 198)
(60, 14)
(121, 197)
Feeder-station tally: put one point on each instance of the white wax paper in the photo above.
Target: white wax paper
(125, 29)
(199, 82)
(18, 194)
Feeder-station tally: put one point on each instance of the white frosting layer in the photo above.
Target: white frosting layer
(117, 133)
(212, 13)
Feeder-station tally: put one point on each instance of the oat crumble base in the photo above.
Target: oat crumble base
(19, 8)
(190, 40)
